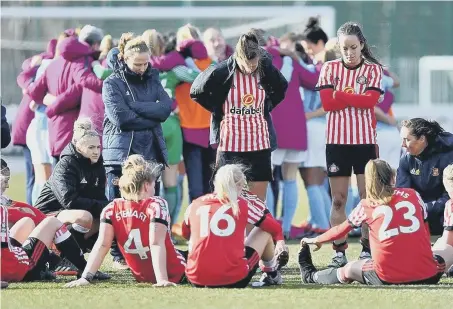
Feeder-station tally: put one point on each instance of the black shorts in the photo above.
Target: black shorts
(370, 277)
(39, 255)
(258, 163)
(341, 160)
(252, 258)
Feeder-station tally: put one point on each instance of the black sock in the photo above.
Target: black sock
(79, 237)
(365, 245)
(326, 276)
(54, 259)
(71, 250)
(273, 274)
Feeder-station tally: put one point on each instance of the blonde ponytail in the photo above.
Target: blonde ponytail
(136, 171)
(228, 183)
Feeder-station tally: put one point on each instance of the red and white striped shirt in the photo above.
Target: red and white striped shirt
(351, 126)
(244, 127)
(448, 216)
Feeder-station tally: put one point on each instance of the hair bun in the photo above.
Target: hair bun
(83, 124)
(313, 22)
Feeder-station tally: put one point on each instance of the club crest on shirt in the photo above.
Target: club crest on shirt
(435, 172)
(333, 168)
(349, 90)
(248, 100)
(415, 172)
(362, 80)
(115, 181)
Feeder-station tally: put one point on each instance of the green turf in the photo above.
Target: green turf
(122, 292)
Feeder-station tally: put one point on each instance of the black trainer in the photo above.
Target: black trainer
(307, 269)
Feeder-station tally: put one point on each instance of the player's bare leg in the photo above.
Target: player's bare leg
(51, 230)
(22, 229)
(259, 241)
(339, 191)
(270, 251)
(365, 239)
(352, 271)
(78, 223)
(259, 188)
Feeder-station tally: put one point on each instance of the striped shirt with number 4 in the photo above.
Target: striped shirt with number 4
(351, 125)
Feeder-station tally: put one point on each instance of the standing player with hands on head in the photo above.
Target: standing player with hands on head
(350, 88)
(140, 223)
(399, 238)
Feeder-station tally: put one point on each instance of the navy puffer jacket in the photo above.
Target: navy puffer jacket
(135, 107)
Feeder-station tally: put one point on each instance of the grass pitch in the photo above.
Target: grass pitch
(123, 292)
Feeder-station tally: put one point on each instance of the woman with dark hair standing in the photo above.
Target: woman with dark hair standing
(314, 40)
(350, 88)
(241, 92)
(429, 151)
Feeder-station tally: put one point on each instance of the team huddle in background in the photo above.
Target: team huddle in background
(240, 122)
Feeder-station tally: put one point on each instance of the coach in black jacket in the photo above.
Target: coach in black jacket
(210, 89)
(429, 152)
(75, 183)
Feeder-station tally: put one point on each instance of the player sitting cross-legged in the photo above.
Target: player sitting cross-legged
(215, 225)
(400, 243)
(140, 223)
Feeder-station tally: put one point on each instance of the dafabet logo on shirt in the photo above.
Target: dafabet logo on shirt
(247, 101)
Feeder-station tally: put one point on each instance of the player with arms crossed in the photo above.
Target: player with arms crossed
(350, 88)
(140, 223)
(399, 239)
(444, 245)
(215, 225)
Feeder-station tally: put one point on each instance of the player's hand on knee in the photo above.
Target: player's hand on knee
(76, 283)
(311, 241)
(164, 283)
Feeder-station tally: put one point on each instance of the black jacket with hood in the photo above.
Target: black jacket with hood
(210, 89)
(75, 183)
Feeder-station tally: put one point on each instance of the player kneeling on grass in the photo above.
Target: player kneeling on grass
(400, 242)
(27, 261)
(444, 245)
(140, 223)
(215, 225)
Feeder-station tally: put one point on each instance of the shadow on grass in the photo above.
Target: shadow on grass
(292, 282)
